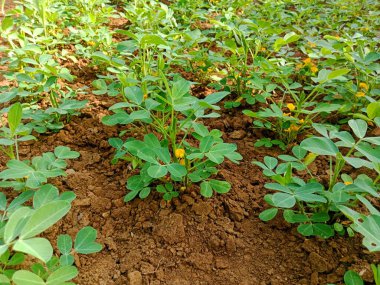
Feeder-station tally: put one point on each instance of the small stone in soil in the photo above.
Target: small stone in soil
(237, 135)
(135, 278)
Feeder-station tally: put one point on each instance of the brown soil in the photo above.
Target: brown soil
(192, 241)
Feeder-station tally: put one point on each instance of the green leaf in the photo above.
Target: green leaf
(150, 39)
(180, 88)
(37, 247)
(218, 151)
(144, 192)
(66, 260)
(270, 162)
(65, 244)
(4, 280)
(292, 217)
(359, 127)
(85, 241)
(177, 170)
(46, 194)
(336, 73)
(373, 110)
(320, 217)
(6, 23)
(3, 201)
(268, 214)
(62, 274)
(16, 169)
(16, 259)
(140, 115)
(19, 200)
(216, 97)
(220, 187)
(352, 278)
(119, 118)
(16, 223)
(206, 143)
(130, 196)
(14, 117)
(305, 229)
(64, 152)
(23, 277)
(157, 171)
(306, 193)
(283, 200)
(322, 230)
(45, 217)
(206, 189)
(320, 146)
(6, 142)
(299, 152)
(135, 183)
(134, 94)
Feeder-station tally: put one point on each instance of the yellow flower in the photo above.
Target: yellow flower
(145, 96)
(182, 162)
(301, 121)
(179, 153)
(263, 49)
(312, 45)
(299, 66)
(91, 43)
(363, 86)
(314, 69)
(293, 128)
(347, 182)
(291, 106)
(360, 94)
(307, 61)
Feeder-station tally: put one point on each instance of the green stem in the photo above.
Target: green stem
(16, 145)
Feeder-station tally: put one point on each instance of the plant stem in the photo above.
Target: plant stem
(16, 145)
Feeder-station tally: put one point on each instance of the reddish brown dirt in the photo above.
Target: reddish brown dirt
(192, 241)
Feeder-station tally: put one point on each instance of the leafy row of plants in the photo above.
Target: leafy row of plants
(36, 78)
(313, 92)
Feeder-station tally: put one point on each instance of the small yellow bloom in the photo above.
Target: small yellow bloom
(307, 61)
(293, 128)
(363, 86)
(347, 182)
(360, 94)
(182, 162)
(263, 49)
(291, 106)
(312, 45)
(145, 96)
(314, 69)
(91, 43)
(179, 153)
(301, 121)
